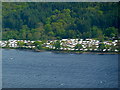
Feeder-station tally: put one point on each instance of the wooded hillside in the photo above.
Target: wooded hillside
(43, 21)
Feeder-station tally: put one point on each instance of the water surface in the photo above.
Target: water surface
(27, 69)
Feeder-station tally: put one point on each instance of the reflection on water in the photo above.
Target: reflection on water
(27, 69)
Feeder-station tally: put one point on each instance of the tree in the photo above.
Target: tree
(78, 46)
(111, 32)
(57, 45)
(36, 35)
(30, 36)
(60, 20)
(71, 34)
(96, 32)
(20, 43)
(101, 47)
(48, 28)
(86, 35)
(38, 45)
(108, 46)
(113, 48)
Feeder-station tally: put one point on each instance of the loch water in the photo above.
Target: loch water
(28, 69)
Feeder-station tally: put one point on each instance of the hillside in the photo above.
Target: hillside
(43, 21)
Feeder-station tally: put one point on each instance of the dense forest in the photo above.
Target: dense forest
(50, 20)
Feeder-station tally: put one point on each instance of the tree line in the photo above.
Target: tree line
(57, 20)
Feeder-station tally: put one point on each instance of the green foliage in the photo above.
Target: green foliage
(96, 32)
(108, 46)
(43, 21)
(111, 32)
(78, 46)
(57, 45)
(113, 48)
(38, 45)
(101, 46)
(20, 43)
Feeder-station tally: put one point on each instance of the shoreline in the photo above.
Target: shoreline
(66, 52)
(86, 52)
